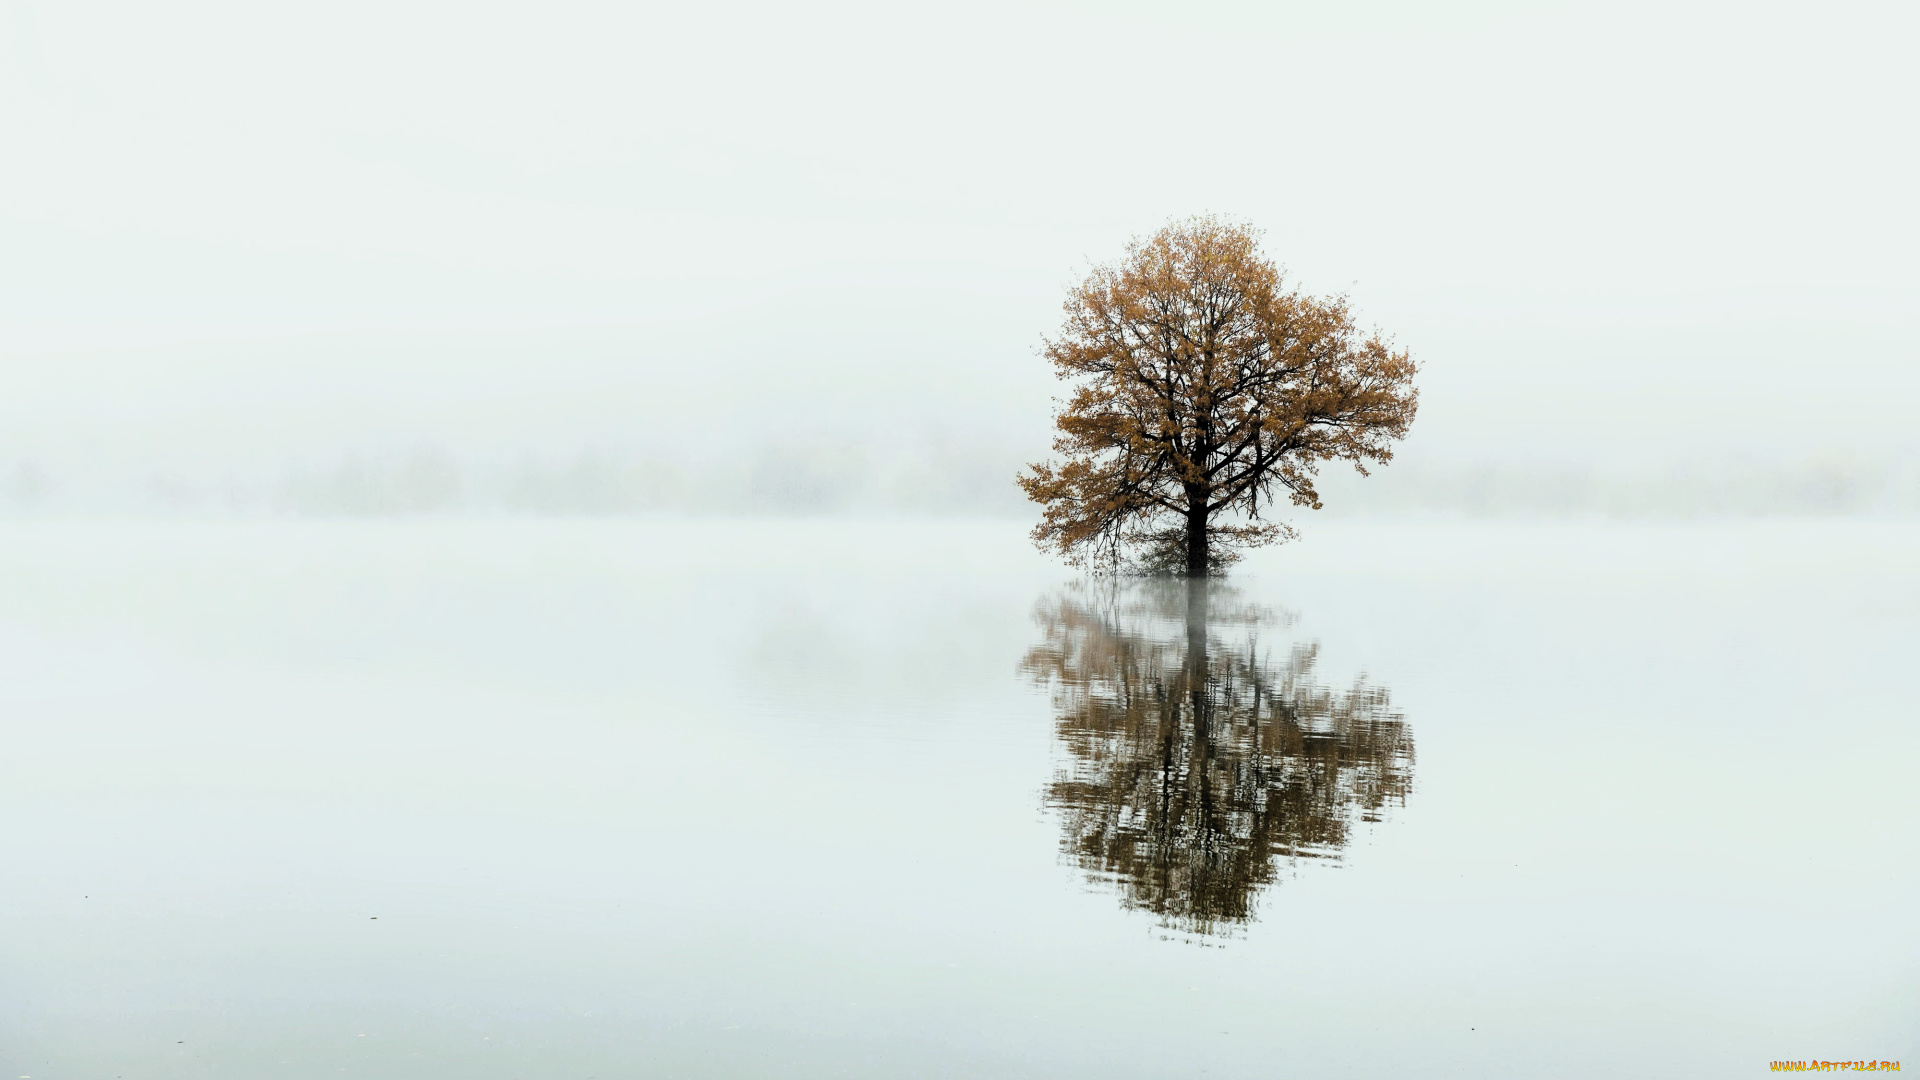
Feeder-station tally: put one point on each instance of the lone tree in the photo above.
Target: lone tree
(1204, 387)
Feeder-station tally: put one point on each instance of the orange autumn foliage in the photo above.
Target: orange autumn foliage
(1204, 389)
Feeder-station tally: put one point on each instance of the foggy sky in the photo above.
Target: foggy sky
(243, 243)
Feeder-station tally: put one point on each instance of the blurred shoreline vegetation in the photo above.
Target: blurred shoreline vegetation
(937, 477)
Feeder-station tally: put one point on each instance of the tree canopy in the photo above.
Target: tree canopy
(1204, 390)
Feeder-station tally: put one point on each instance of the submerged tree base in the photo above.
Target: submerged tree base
(1164, 553)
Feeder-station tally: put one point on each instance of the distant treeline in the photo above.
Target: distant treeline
(937, 476)
(1818, 487)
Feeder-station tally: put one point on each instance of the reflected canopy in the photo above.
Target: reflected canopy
(1196, 762)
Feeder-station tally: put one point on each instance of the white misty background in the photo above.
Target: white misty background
(401, 258)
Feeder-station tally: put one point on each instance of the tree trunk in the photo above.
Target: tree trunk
(1197, 538)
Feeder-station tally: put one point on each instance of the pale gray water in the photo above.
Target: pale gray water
(785, 799)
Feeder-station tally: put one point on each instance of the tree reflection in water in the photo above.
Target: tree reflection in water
(1196, 762)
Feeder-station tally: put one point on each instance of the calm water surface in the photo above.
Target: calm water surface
(803, 799)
